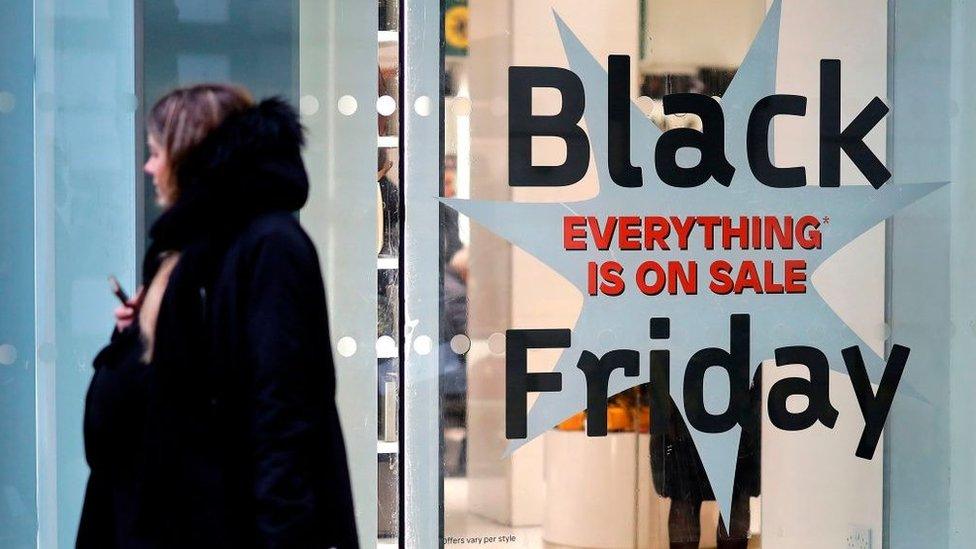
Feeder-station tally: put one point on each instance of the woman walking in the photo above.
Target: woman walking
(211, 418)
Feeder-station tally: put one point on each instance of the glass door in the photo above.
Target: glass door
(350, 99)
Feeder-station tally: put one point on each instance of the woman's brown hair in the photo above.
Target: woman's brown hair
(182, 118)
(178, 122)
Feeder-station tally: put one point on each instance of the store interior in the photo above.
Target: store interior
(565, 489)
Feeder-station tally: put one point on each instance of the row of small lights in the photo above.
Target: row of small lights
(385, 105)
(422, 345)
(460, 106)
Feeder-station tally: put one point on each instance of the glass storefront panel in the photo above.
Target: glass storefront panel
(86, 210)
(18, 513)
(605, 234)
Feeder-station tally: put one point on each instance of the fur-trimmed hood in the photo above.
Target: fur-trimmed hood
(249, 165)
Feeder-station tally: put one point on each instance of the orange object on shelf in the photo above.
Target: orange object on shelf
(618, 418)
(573, 423)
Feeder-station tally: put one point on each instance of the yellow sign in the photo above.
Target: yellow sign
(456, 27)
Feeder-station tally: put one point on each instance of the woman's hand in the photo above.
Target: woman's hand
(125, 315)
(459, 262)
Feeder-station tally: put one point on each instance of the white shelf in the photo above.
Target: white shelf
(387, 263)
(387, 141)
(387, 447)
(387, 37)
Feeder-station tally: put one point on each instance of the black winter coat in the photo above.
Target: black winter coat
(240, 444)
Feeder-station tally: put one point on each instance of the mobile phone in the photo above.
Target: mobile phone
(117, 290)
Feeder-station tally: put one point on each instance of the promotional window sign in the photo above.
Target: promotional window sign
(697, 253)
